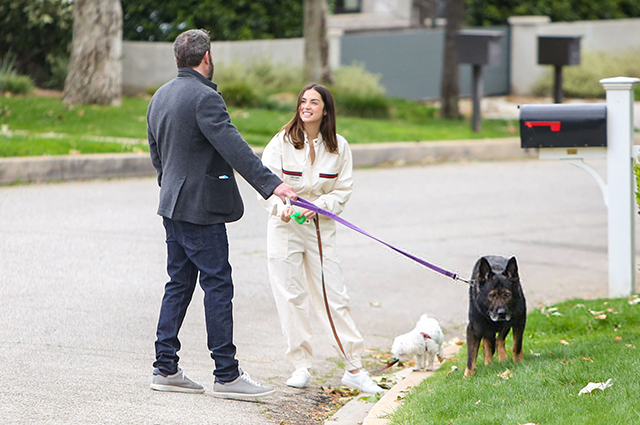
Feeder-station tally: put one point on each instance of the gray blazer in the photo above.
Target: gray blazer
(195, 148)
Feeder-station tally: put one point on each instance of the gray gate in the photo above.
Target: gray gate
(410, 62)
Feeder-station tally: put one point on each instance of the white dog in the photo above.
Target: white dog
(423, 342)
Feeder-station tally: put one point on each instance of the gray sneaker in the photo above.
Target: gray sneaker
(177, 382)
(242, 388)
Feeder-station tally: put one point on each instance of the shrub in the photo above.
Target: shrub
(241, 93)
(358, 93)
(16, 84)
(357, 105)
(10, 81)
(582, 81)
(34, 31)
(59, 66)
(636, 169)
(260, 84)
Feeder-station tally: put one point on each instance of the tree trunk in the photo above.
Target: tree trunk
(95, 66)
(316, 46)
(450, 88)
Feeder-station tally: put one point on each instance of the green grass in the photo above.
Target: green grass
(35, 116)
(21, 145)
(566, 347)
(49, 114)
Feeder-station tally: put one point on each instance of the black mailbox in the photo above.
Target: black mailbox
(478, 47)
(559, 50)
(563, 125)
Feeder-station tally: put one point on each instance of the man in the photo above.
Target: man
(195, 150)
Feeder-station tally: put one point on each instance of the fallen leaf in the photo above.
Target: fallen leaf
(507, 374)
(630, 346)
(563, 342)
(587, 359)
(600, 317)
(534, 354)
(374, 398)
(478, 402)
(453, 369)
(633, 300)
(591, 386)
(617, 338)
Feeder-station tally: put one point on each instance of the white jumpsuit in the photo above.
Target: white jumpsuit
(292, 248)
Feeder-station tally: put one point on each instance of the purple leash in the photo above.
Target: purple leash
(308, 205)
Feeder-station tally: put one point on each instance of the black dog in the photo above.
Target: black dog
(496, 305)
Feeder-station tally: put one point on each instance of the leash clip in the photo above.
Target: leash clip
(468, 282)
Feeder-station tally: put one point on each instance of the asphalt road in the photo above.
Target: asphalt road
(82, 269)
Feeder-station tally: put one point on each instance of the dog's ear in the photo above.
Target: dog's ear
(511, 271)
(484, 270)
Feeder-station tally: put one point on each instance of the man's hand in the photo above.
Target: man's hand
(284, 191)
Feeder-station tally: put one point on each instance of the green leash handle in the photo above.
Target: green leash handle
(297, 216)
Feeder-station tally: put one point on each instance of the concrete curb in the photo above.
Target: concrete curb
(73, 167)
(78, 167)
(361, 412)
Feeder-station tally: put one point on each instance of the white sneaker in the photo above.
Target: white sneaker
(299, 379)
(362, 382)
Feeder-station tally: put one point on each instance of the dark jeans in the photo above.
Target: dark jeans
(193, 248)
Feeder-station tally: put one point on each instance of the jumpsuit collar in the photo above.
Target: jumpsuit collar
(316, 141)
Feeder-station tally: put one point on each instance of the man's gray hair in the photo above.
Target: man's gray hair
(190, 47)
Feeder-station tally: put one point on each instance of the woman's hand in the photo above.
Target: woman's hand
(286, 214)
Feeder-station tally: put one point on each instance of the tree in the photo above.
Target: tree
(37, 34)
(95, 67)
(151, 20)
(316, 46)
(450, 89)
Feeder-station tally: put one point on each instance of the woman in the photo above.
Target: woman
(309, 155)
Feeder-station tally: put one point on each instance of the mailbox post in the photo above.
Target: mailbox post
(577, 132)
(622, 270)
(478, 48)
(558, 51)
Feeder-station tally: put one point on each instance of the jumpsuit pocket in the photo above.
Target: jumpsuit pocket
(219, 193)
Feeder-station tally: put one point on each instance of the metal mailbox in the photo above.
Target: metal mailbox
(563, 125)
(479, 47)
(559, 50)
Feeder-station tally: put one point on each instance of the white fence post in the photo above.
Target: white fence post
(620, 181)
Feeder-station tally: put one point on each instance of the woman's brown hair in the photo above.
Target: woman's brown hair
(294, 129)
